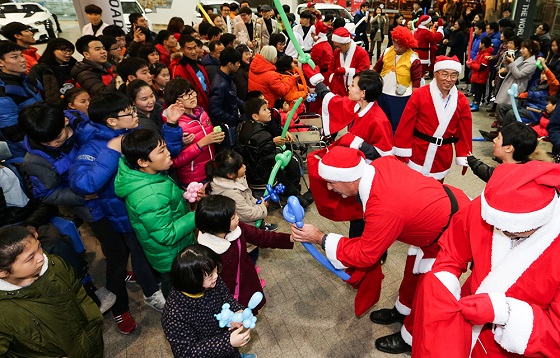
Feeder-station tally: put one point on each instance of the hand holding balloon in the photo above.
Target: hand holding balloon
(227, 316)
(273, 194)
(192, 191)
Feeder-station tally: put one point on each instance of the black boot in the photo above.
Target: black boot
(386, 316)
(393, 344)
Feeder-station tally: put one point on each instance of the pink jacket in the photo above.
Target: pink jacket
(190, 162)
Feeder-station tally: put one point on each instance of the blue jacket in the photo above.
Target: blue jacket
(475, 44)
(553, 129)
(362, 27)
(224, 105)
(496, 42)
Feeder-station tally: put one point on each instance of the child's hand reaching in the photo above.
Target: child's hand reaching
(174, 112)
(239, 338)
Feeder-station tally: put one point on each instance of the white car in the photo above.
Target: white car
(131, 6)
(338, 11)
(37, 17)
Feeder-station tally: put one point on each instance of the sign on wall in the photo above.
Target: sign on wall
(523, 15)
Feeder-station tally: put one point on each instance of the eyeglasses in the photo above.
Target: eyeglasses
(189, 95)
(133, 113)
(66, 50)
(114, 48)
(447, 75)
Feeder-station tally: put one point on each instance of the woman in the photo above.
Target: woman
(458, 40)
(218, 21)
(175, 26)
(53, 69)
(377, 34)
(553, 58)
(142, 36)
(241, 77)
(278, 41)
(398, 21)
(517, 71)
(149, 53)
(263, 76)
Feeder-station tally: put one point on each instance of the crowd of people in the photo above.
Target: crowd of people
(116, 140)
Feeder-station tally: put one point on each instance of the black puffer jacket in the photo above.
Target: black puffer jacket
(53, 78)
(258, 150)
(223, 108)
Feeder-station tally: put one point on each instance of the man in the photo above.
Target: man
(17, 91)
(23, 36)
(266, 26)
(224, 103)
(361, 29)
(544, 38)
(136, 19)
(244, 30)
(493, 32)
(427, 42)
(211, 61)
(385, 189)
(306, 29)
(166, 46)
(401, 70)
(416, 11)
(96, 24)
(189, 68)
(436, 116)
(509, 304)
(229, 23)
(118, 33)
(290, 49)
(93, 73)
(349, 59)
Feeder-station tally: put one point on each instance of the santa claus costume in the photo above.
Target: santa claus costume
(322, 56)
(509, 306)
(427, 42)
(430, 124)
(385, 190)
(345, 65)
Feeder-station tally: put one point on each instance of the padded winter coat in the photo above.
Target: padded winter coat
(263, 77)
(480, 66)
(52, 317)
(94, 78)
(158, 213)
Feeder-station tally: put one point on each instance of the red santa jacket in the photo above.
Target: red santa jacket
(322, 54)
(427, 43)
(357, 60)
(181, 69)
(480, 67)
(426, 112)
(528, 274)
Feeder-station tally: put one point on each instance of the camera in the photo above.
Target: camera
(511, 53)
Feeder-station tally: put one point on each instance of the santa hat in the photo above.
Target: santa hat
(342, 164)
(342, 36)
(448, 63)
(310, 4)
(424, 20)
(320, 29)
(521, 197)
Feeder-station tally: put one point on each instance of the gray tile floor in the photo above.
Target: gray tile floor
(309, 311)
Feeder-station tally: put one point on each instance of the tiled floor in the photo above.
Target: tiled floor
(309, 311)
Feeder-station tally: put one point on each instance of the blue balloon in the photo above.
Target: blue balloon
(324, 261)
(513, 92)
(226, 315)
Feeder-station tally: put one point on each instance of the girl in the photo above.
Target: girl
(241, 76)
(161, 76)
(195, 121)
(143, 98)
(287, 69)
(221, 231)
(45, 310)
(188, 317)
(149, 53)
(77, 99)
(176, 26)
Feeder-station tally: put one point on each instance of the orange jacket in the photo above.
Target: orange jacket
(263, 77)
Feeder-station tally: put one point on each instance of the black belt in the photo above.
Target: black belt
(454, 208)
(439, 141)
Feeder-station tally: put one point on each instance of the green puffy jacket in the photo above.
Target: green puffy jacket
(52, 317)
(158, 214)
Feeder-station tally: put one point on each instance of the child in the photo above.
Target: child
(189, 164)
(144, 99)
(77, 99)
(226, 176)
(540, 128)
(161, 77)
(221, 231)
(149, 53)
(514, 144)
(45, 310)
(158, 213)
(133, 68)
(480, 70)
(286, 67)
(257, 145)
(188, 318)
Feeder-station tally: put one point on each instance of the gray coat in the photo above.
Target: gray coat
(520, 72)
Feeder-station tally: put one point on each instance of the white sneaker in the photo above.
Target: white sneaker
(156, 301)
(107, 299)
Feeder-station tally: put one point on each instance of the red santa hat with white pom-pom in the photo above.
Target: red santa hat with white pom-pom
(448, 63)
(342, 164)
(424, 20)
(342, 36)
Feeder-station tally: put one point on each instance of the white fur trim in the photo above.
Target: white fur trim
(366, 182)
(217, 244)
(383, 153)
(331, 244)
(423, 266)
(402, 152)
(350, 72)
(340, 39)
(425, 23)
(331, 77)
(413, 250)
(514, 336)
(325, 112)
(406, 336)
(418, 168)
(462, 161)
(451, 282)
(316, 78)
(344, 175)
(448, 65)
(6, 286)
(357, 142)
(517, 222)
(404, 310)
(500, 306)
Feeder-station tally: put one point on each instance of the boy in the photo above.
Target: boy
(45, 310)
(258, 148)
(542, 126)
(514, 144)
(18, 91)
(23, 36)
(166, 45)
(94, 73)
(93, 173)
(158, 213)
(134, 68)
(96, 25)
(480, 70)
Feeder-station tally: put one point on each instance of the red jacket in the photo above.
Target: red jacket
(179, 68)
(191, 161)
(263, 77)
(322, 54)
(164, 55)
(480, 67)
(31, 57)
